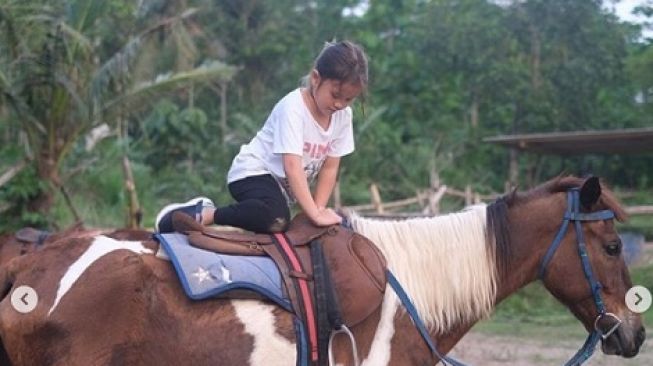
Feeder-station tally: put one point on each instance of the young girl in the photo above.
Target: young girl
(304, 137)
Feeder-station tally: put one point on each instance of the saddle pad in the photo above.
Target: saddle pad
(205, 274)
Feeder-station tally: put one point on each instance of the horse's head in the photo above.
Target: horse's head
(580, 258)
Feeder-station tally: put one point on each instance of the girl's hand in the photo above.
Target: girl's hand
(326, 217)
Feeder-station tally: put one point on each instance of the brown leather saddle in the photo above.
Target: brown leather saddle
(356, 265)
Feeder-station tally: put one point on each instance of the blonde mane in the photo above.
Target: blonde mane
(444, 263)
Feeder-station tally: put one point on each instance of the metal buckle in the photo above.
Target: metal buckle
(345, 330)
(607, 334)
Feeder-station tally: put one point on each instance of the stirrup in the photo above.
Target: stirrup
(334, 333)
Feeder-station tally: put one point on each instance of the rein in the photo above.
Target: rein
(419, 324)
(573, 214)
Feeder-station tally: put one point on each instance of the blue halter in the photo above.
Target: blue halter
(573, 214)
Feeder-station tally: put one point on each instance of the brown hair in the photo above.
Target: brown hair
(343, 61)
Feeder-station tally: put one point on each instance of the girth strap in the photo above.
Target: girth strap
(328, 312)
(304, 299)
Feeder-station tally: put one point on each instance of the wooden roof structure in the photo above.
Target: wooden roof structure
(623, 141)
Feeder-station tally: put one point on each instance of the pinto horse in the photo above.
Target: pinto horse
(109, 300)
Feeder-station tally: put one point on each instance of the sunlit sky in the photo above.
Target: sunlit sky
(624, 9)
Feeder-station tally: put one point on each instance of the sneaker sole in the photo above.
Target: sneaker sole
(175, 206)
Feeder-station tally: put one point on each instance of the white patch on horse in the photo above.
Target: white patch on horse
(270, 348)
(100, 247)
(380, 350)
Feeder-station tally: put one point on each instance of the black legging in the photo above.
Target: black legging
(261, 206)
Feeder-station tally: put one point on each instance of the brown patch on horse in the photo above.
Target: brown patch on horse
(124, 307)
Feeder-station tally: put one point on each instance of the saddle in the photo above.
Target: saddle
(356, 267)
(31, 235)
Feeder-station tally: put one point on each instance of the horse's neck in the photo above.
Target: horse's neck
(531, 232)
(518, 276)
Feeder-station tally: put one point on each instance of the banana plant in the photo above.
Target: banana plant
(59, 81)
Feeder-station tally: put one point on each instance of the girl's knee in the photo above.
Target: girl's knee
(279, 224)
(277, 219)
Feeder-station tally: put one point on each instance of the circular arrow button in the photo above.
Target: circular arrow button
(638, 299)
(24, 299)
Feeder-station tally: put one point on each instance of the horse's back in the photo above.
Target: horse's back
(125, 308)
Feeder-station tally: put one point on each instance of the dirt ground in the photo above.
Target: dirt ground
(498, 350)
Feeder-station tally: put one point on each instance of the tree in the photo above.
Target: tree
(59, 83)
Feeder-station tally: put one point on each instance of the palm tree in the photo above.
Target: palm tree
(57, 82)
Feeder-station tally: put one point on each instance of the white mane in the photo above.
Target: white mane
(443, 263)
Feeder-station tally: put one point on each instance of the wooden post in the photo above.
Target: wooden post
(134, 210)
(434, 178)
(376, 198)
(468, 195)
(421, 196)
(434, 200)
(513, 174)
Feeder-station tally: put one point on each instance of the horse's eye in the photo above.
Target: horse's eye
(613, 249)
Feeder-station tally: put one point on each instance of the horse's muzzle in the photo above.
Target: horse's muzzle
(624, 342)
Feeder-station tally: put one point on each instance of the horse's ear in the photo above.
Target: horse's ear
(590, 192)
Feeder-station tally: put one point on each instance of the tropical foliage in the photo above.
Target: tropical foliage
(175, 87)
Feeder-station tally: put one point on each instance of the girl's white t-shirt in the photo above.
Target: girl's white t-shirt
(291, 129)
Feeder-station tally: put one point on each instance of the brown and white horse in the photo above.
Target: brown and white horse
(108, 300)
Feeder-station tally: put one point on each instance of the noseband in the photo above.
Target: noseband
(573, 214)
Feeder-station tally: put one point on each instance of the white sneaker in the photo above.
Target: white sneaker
(193, 207)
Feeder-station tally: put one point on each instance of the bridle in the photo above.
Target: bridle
(573, 214)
